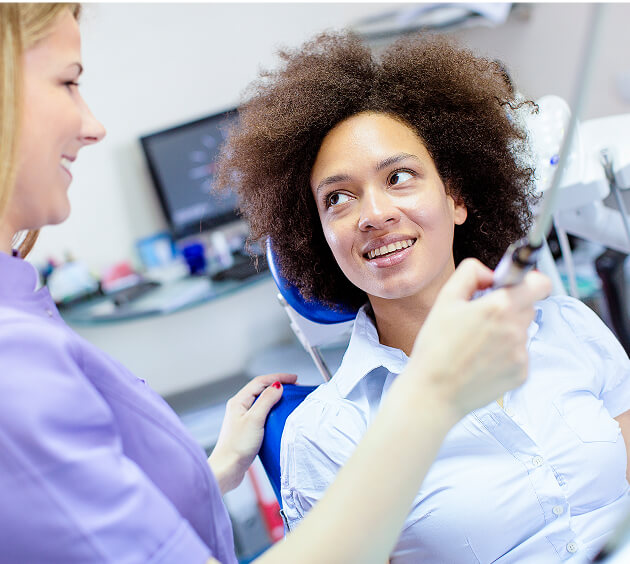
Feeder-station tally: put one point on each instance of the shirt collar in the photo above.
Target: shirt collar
(17, 277)
(535, 324)
(365, 353)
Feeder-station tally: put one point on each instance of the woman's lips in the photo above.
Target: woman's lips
(67, 171)
(391, 259)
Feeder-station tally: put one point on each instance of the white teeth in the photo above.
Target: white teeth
(66, 163)
(390, 248)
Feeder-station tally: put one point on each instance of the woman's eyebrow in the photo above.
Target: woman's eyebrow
(333, 180)
(389, 161)
(79, 67)
(394, 159)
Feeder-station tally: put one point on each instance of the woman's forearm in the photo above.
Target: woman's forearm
(382, 464)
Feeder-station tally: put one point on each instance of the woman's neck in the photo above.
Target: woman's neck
(6, 238)
(399, 320)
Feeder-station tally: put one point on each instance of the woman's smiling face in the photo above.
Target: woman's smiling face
(56, 124)
(384, 208)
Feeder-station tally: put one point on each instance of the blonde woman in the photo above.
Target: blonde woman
(94, 466)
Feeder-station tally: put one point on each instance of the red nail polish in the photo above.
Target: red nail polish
(277, 385)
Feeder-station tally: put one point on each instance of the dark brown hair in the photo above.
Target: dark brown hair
(459, 104)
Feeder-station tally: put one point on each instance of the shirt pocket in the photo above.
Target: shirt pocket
(586, 415)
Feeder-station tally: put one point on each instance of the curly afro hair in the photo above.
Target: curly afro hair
(461, 106)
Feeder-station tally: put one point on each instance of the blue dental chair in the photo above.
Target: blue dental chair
(314, 324)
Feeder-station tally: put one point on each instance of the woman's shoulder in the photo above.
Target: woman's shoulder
(557, 312)
(577, 336)
(46, 331)
(324, 416)
(35, 337)
(559, 302)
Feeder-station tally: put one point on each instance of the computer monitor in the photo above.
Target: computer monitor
(181, 160)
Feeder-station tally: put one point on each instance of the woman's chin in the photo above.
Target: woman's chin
(59, 216)
(392, 294)
(55, 217)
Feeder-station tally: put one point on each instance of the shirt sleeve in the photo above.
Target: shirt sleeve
(318, 439)
(607, 356)
(68, 492)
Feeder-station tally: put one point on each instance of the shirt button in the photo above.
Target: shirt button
(49, 312)
(537, 461)
(509, 411)
(572, 547)
(558, 510)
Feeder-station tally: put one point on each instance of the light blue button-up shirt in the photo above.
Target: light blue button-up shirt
(541, 480)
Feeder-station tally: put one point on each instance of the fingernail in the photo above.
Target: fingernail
(277, 385)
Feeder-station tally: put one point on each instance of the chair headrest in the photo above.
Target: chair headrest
(313, 310)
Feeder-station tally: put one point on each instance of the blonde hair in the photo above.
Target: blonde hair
(21, 26)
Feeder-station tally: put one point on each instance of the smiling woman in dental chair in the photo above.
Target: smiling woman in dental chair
(95, 466)
(374, 178)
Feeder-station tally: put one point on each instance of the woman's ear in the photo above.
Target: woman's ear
(460, 211)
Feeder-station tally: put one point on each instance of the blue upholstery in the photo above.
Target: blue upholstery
(292, 396)
(313, 310)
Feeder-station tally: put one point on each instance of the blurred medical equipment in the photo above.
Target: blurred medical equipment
(577, 166)
(182, 164)
(441, 16)
(70, 282)
(597, 164)
(522, 256)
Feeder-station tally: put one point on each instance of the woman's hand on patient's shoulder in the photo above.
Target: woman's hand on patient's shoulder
(471, 351)
(243, 428)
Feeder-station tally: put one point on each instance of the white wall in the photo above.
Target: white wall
(543, 53)
(150, 66)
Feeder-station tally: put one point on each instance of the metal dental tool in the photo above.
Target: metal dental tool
(521, 256)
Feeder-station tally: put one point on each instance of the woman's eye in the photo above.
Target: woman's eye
(399, 176)
(69, 84)
(336, 198)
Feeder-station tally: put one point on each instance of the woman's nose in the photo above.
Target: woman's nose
(92, 130)
(377, 210)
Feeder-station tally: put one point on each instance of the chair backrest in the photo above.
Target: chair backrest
(313, 323)
(313, 310)
(292, 396)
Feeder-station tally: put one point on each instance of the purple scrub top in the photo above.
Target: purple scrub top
(94, 465)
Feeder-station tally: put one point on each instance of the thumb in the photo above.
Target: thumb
(469, 277)
(265, 401)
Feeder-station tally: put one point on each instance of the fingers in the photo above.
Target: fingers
(267, 399)
(534, 287)
(247, 394)
(469, 277)
(472, 276)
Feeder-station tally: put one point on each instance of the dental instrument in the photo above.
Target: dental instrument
(521, 256)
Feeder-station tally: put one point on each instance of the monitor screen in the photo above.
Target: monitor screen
(182, 164)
